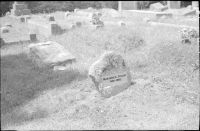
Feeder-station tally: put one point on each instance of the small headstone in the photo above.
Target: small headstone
(122, 23)
(22, 19)
(55, 29)
(33, 37)
(51, 18)
(78, 24)
(158, 7)
(110, 74)
(4, 29)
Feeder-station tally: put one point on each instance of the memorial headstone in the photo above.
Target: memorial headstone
(110, 74)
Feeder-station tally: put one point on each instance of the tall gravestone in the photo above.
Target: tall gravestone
(127, 5)
(110, 74)
(20, 8)
(174, 4)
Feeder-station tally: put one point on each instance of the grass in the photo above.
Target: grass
(152, 53)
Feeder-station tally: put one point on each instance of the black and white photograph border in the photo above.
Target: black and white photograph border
(99, 65)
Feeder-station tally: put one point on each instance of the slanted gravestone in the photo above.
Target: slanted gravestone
(189, 12)
(51, 18)
(158, 7)
(50, 54)
(110, 74)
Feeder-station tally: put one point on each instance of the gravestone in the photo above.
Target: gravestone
(158, 7)
(22, 19)
(33, 37)
(110, 74)
(51, 18)
(20, 8)
(174, 4)
(50, 54)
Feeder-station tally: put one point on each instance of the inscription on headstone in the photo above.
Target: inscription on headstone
(110, 74)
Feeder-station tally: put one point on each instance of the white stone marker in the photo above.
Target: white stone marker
(110, 74)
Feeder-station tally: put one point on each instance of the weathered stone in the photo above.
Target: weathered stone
(110, 74)
(50, 53)
(33, 37)
(158, 7)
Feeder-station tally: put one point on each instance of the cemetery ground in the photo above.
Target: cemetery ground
(164, 94)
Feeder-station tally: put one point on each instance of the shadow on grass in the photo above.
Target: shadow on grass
(22, 81)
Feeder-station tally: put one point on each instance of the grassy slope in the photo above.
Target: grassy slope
(165, 94)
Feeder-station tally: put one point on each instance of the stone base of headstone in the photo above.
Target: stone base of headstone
(33, 37)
